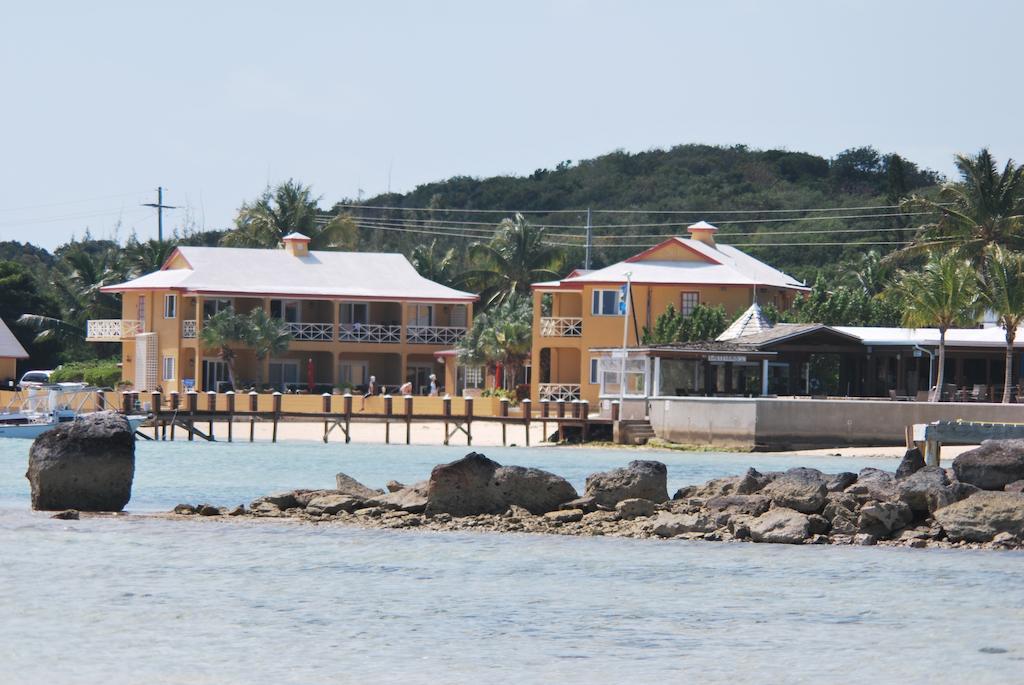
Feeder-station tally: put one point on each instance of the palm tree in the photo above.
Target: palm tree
(434, 266)
(148, 256)
(222, 332)
(1004, 295)
(289, 207)
(501, 335)
(267, 336)
(985, 209)
(943, 294)
(515, 258)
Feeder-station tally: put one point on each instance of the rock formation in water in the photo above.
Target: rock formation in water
(87, 464)
(920, 507)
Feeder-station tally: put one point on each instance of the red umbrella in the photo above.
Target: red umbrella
(309, 373)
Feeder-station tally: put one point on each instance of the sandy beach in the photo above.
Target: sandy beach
(487, 434)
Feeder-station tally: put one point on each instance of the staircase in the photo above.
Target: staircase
(634, 432)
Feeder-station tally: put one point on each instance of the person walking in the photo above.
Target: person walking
(371, 389)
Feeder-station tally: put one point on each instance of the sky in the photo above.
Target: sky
(102, 102)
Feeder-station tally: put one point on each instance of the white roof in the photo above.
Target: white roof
(245, 271)
(725, 265)
(295, 235)
(955, 337)
(750, 322)
(9, 345)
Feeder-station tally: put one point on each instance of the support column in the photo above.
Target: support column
(764, 378)
(197, 372)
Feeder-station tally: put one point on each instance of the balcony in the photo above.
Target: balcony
(435, 335)
(561, 327)
(112, 330)
(317, 332)
(559, 391)
(188, 329)
(369, 332)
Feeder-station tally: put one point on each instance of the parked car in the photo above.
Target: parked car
(32, 378)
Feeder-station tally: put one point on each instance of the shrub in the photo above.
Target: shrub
(103, 373)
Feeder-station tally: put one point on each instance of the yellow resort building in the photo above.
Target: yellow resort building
(351, 315)
(585, 310)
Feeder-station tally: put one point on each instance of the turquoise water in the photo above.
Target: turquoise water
(125, 600)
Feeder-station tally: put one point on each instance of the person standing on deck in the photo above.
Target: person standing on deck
(371, 388)
(433, 385)
(405, 389)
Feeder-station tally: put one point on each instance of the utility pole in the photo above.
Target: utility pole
(160, 207)
(590, 240)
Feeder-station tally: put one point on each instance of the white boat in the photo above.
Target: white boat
(37, 409)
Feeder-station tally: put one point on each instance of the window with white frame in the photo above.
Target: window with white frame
(168, 368)
(289, 311)
(688, 301)
(474, 377)
(354, 312)
(170, 306)
(605, 303)
(594, 379)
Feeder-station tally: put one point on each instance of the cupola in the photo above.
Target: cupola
(296, 244)
(703, 232)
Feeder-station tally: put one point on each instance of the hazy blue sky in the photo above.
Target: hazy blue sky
(215, 100)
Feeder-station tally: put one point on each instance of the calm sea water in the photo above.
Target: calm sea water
(143, 601)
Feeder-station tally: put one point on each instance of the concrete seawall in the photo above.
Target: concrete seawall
(776, 423)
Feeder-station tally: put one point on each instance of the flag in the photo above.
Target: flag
(622, 299)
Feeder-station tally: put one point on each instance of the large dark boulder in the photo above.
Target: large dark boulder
(638, 480)
(801, 489)
(873, 484)
(87, 464)
(926, 490)
(991, 466)
(477, 485)
(913, 461)
(982, 516)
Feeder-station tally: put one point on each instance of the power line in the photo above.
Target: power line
(69, 217)
(583, 211)
(850, 217)
(510, 212)
(68, 202)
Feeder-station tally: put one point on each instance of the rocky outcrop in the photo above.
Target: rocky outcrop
(477, 485)
(913, 461)
(801, 489)
(781, 525)
(991, 466)
(346, 485)
(87, 464)
(640, 480)
(982, 516)
(924, 509)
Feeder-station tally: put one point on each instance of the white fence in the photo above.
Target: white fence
(188, 328)
(561, 327)
(369, 332)
(323, 332)
(435, 335)
(111, 330)
(559, 391)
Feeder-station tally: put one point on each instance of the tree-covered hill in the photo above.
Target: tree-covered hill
(737, 188)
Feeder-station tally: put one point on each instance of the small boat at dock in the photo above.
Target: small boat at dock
(37, 409)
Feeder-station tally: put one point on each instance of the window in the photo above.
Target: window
(421, 315)
(211, 307)
(140, 311)
(168, 368)
(593, 371)
(605, 303)
(285, 310)
(474, 376)
(170, 306)
(688, 302)
(355, 312)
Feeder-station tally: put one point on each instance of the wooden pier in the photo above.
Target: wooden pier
(194, 417)
(928, 437)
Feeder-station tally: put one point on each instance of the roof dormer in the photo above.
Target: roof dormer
(296, 244)
(703, 232)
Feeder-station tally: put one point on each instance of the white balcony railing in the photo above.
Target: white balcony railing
(321, 332)
(435, 335)
(561, 327)
(559, 391)
(188, 328)
(369, 332)
(111, 330)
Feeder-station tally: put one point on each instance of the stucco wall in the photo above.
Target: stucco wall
(789, 423)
